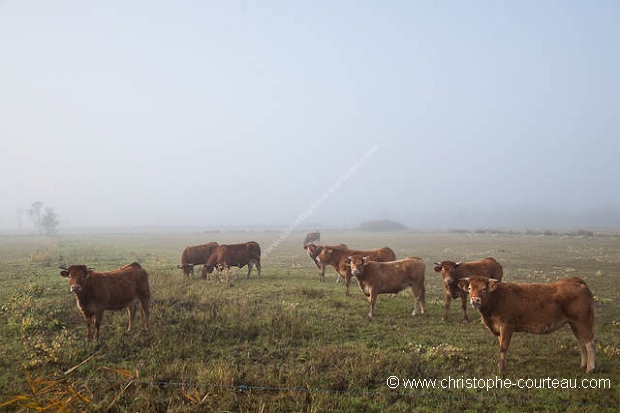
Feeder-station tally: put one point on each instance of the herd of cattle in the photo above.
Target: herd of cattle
(505, 307)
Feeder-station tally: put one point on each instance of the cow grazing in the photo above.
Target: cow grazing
(390, 277)
(337, 258)
(452, 272)
(96, 292)
(233, 255)
(195, 255)
(312, 237)
(535, 308)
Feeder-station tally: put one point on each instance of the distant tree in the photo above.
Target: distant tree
(35, 215)
(49, 222)
(382, 225)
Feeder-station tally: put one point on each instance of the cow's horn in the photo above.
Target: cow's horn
(458, 263)
(62, 267)
(494, 280)
(437, 263)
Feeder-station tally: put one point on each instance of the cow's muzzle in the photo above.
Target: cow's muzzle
(475, 302)
(355, 271)
(75, 289)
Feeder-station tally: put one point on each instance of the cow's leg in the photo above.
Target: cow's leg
(587, 347)
(591, 349)
(98, 319)
(419, 301)
(258, 267)
(464, 307)
(505, 334)
(446, 306)
(372, 299)
(131, 310)
(89, 327)
(227, 269)
(250, 266)
(322, 273)
(144, 302)
(347, 281)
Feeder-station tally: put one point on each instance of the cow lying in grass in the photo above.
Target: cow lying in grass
(507, 308)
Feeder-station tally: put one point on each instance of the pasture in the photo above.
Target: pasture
(286, 342)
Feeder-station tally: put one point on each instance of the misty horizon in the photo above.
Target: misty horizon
(228, 114)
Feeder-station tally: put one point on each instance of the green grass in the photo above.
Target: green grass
(287, 342)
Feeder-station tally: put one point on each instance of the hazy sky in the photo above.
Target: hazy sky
(220, 113)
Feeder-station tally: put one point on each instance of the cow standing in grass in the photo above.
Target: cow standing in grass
(96, 292)
(314, 250)
(312, 237)
(234, 255)
(338, 258)
(390, 277)
(452, 272)
(195, 255)
(507, 308)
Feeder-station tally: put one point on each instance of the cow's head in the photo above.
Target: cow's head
(478, 288)
(206, 269)
(313, 250)
(324, 254)
(356, 263)
(450, 280)
(188, 269)
(77, 275)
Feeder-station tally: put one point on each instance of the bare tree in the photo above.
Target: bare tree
(49, 222)
(35, 214)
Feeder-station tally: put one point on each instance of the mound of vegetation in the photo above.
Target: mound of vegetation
(383, 225)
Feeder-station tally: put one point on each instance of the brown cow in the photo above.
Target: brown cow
(535, 308)
(313, 250)
(312, 237)
(110, 290)
(452, 272)
(390, 277)
(195, 255)
(233, 255)
(337, 257)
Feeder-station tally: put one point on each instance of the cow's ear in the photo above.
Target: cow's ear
(347, 261)
(464, 284)
(493, 284)
(64, 273)
(89, 271)
(365, 259)
(437, 268)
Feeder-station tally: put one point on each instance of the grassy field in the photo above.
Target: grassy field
(289, 343)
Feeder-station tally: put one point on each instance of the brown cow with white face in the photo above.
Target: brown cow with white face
(195, 255)
(96, 292)
(337, 258)
(390, 277)
(234, 255)
(452, 272)
(507, 308)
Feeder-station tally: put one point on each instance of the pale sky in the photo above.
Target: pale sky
(239, 113)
